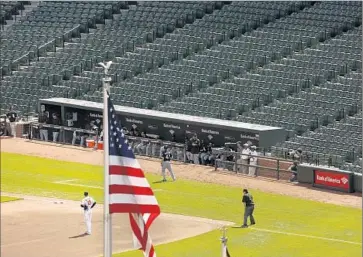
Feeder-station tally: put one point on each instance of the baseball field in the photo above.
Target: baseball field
(194, 208)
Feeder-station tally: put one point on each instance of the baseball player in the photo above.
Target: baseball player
(165, 163)
(247, 199)
(244, 158)
(87, 204)
(253, 161)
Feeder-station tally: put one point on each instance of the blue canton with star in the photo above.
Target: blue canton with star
(118, 143)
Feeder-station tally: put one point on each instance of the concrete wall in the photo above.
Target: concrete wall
(357, 182)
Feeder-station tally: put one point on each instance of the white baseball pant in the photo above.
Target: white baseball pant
(88, 220)
(167, 165)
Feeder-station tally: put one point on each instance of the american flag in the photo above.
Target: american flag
(129, 191)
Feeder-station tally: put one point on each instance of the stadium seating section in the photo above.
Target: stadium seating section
(9, 8)
(294, 64)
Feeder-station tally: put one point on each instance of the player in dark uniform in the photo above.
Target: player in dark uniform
(247, 199)
(165, 163)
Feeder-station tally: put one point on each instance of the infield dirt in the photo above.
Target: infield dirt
(44, 227)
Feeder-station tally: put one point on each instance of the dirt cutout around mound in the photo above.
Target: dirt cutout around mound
(182, 170)
(45, 227)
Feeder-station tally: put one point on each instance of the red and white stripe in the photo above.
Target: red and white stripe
(131, 193)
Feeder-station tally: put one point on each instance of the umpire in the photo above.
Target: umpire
(247, 199)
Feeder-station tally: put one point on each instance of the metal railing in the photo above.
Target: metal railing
(219, 158)
(315, 158)
(262, 165)
(61, 134)
(80, 137)
(153, 148)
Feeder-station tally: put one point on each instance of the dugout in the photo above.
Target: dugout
(169, 126)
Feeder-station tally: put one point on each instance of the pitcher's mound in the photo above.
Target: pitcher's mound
(43, 227)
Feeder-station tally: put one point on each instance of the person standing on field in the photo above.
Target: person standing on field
(247, 199)
(87, 204)
(165, 163)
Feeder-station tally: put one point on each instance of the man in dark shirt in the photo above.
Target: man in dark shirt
(203, 152)
(247, 199)
(12, 116)
(211, 157)
(80, 135)
(195, 148)
(43, 119)
(188, 153)
(57, 122)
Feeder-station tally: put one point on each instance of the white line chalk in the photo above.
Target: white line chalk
(307, 236)
(25, 242)
(65, 181)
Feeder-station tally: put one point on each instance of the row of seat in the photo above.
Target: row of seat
(308, 102)
(19, 38)
(340, 142)
(9, 8)
(286, 78)
(178, 80)
(83, 54)
(255, 62)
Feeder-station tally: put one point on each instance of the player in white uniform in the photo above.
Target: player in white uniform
(87, 204)
(243, 161)
(253, 161)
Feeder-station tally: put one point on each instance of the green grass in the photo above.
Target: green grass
(4, 199)
(36, 176)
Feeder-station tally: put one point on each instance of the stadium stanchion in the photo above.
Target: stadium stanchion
(278, 169)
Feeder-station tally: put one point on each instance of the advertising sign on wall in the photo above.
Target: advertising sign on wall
(168, 130)
(333, 180)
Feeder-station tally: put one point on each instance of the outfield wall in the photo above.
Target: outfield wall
(330, 178)
(169, 126)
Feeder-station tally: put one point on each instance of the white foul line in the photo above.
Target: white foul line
(25, 242)
(65, 181)
(307, 236)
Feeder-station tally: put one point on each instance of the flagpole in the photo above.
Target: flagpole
(224, 242)
(107, 221)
